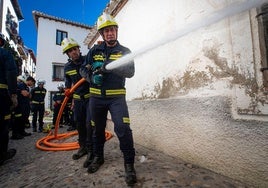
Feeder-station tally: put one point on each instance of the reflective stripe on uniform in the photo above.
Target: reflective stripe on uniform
(39, 92)
(86, 96)
(36, 102)
(71, 72)
(115, 56)
(115, 92)
(7, 117)
(108, 92)
(3, 86)
(126, 120)
(95, 91)
(18, 115)
(98, 57)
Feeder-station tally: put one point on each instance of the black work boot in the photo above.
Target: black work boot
(24, 133)
(71, 129)
(81, 152)
(40, 129)
(89, 159)
(95, 165)
(16, 137)
(7, 155)
(130, 178)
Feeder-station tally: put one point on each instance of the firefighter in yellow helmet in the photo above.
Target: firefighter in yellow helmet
(80, 97)
(68, 43)
(107, 90)
(105, 23)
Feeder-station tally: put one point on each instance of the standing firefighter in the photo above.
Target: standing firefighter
(108, 92)
(38, 95)
(80, 98)
(22, 111)
(8, 99)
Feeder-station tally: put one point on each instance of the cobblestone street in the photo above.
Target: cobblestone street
(32, 167)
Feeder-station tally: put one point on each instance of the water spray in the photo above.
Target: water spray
(215, 17)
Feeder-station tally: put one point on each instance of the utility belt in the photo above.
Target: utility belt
(81, 97)
(107, 92)
(36, 102)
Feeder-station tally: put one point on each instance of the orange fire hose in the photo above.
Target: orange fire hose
(48, 143)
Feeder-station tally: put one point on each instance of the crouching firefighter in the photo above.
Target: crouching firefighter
(80, 99)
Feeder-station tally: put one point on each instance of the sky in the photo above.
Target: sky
(81, 11)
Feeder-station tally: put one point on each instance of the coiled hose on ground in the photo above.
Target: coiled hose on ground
(51, 141)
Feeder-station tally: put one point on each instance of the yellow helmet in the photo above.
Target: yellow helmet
(105, 20)
(68, 43)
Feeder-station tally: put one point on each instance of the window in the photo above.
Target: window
(263, 33)
(58, 72)
(60, 35)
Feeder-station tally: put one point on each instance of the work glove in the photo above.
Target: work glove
(14, 101)
(96, 65)
(97, 79)
(67, 92)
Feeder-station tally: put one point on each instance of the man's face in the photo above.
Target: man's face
(30, 83)
(110, 35)
(73, 53)
(41, 85)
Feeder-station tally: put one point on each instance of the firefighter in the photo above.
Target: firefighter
(108, 92)
(58, 99)
(8, 99)
(38, 95)
(80, 99)
(22, 111)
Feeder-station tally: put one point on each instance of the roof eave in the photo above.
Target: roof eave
(37, 15)
(17, 9)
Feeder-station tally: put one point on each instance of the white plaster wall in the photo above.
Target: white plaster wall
(149, 21)
(48, 52)
(201, 131)
(197, 123)
(232, 39)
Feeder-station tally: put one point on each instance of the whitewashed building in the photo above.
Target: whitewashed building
(11, 16)
(50, 59)
(203, 95)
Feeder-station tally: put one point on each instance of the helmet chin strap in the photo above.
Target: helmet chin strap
(111, 42)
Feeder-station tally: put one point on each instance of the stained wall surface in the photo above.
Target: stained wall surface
(200, 96)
